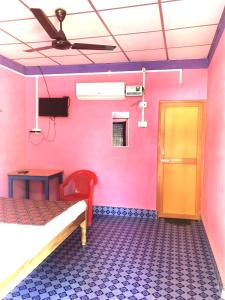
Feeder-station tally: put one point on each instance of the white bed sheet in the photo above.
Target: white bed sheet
(19, 243)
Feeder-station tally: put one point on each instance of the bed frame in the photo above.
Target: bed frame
(15, 278)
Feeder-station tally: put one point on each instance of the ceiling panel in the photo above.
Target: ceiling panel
(135, 24)
(6, 38)
(193, 36)
(108, 57)
(26, 30)
(135, 19)
(81, 26)
(17, 51)
(49, 6)
(192, 13)
(72, 60)
(100, 4)
(195, 52)
(141, 41)
(13, 9)
(36, 62)
(147, 55)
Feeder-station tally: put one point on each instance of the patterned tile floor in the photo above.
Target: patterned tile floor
(127, 258)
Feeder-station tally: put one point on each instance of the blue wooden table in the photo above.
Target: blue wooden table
(33, 175)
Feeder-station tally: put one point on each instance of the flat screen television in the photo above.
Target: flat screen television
(53, 107)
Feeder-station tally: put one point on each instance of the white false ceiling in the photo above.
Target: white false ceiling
(141, 30)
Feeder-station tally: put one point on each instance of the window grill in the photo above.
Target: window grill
(119, 133)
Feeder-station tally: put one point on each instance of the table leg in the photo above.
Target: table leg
(60, 178)
(27, 189)
(10, 187)
(46, 183)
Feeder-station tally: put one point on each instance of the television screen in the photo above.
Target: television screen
(53, 107)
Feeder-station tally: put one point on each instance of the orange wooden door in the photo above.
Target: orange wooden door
(179, 159)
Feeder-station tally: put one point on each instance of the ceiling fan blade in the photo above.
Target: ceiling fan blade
(38, 49)
(45, 23)
(92, 46)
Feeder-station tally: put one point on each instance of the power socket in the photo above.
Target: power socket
(142, 124)
(142, 104)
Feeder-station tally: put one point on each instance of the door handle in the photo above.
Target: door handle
(164, 160)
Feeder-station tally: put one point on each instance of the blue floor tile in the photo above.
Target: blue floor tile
(127, 258)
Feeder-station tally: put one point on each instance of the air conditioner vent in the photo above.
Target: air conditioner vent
(100, 91)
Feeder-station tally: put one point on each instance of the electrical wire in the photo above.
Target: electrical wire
(36, 143)
(136, 105)
(43, 76)
(47, 137)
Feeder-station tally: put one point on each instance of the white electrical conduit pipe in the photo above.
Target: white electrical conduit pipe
(143, 123)
(143, 104)
(98, 73)
(36, 130)
(111, 73)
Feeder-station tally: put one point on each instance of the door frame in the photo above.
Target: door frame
(202, 104)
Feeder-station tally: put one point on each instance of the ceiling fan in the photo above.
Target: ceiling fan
(59, 38)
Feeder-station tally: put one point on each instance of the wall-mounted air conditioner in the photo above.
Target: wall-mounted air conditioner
(100, 91)
(134, 90)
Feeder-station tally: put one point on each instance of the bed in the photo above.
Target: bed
(30, 230)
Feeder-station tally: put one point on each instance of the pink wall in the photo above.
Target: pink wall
(213, 206)
(12, 124)
(127, 176)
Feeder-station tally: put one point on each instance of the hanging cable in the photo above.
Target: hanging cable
(43, 76)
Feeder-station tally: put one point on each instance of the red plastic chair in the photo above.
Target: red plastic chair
(80, 186)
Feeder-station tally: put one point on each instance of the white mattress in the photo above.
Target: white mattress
(20, 243)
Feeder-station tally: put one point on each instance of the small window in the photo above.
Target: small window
(119, 133)
(120, 129)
